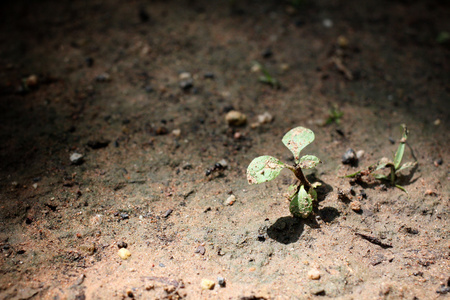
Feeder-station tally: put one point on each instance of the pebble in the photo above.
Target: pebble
(200, 249)
(235, 118)
(230, 200)
(186, 84)
(176, 132)
(185, 76)
(221, 281)
(124, 253)
(349, 157)
(314, 274)
(76, 158)
(103, 77)
(327, 23)
(207, 284)
(35, 185)
(438, 162)
(355, 206)
(360, 154)
(342, 41)
(223, 163)
(265, 118)
(167, 213)
(32, 81)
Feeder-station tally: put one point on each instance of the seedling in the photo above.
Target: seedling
(394, 166)
(265, 168)
(334, 115)
(266, 77)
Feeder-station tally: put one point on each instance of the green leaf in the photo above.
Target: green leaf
(380, 176)
(301, 204)
(401, 148)
(263, 169)
(401, 188)
(308, 161)
(407, 165)
(353, 175)
(297, 139)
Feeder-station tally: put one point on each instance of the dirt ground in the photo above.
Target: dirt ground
(141, 89)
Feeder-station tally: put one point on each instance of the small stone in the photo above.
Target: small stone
(355, 206)
(200, 249)
(221, 281)
(176, 132)
(209, 75)
(124, 253)
(314, 274)
(230, 200)
(124, 216)
(342, 41)
(327, 23)
(149, 287)
(76, 158)
(35, 185)
(438, 162)
(105, 77)
(167, 213)
(437, 122)
(223, 163)
(265, 118)
(360, 154)
(184, 75)
(207, 284)
(237, 135)
(349, 157)
(186, 84)
(32, 81)
(235, 118)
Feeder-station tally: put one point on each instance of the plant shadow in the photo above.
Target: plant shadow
(286, 230)
(323, 190)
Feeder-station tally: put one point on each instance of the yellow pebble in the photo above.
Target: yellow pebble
(124, 253)
(207, 284)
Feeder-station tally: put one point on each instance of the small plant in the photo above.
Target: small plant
(334, 115)
(265, 168)
(266, 77)
(394, 166)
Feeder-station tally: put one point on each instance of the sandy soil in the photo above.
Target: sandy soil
(141, 89)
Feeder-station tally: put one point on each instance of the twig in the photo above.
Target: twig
(374, 240)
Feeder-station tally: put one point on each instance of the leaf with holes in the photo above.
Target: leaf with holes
(301, 204)
(297, 139)
(263, 169)
(309, 161)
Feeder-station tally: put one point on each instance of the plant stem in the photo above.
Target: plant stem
(300, 176)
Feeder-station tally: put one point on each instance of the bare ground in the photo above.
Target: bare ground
(108, 87)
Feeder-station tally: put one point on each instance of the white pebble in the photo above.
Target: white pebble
(76, 158)
(360, 154)
(314, 274)
(328, 23)
(185, 75)
(230, 200)
(265, 118)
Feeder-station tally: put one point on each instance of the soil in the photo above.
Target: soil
(109, 80)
